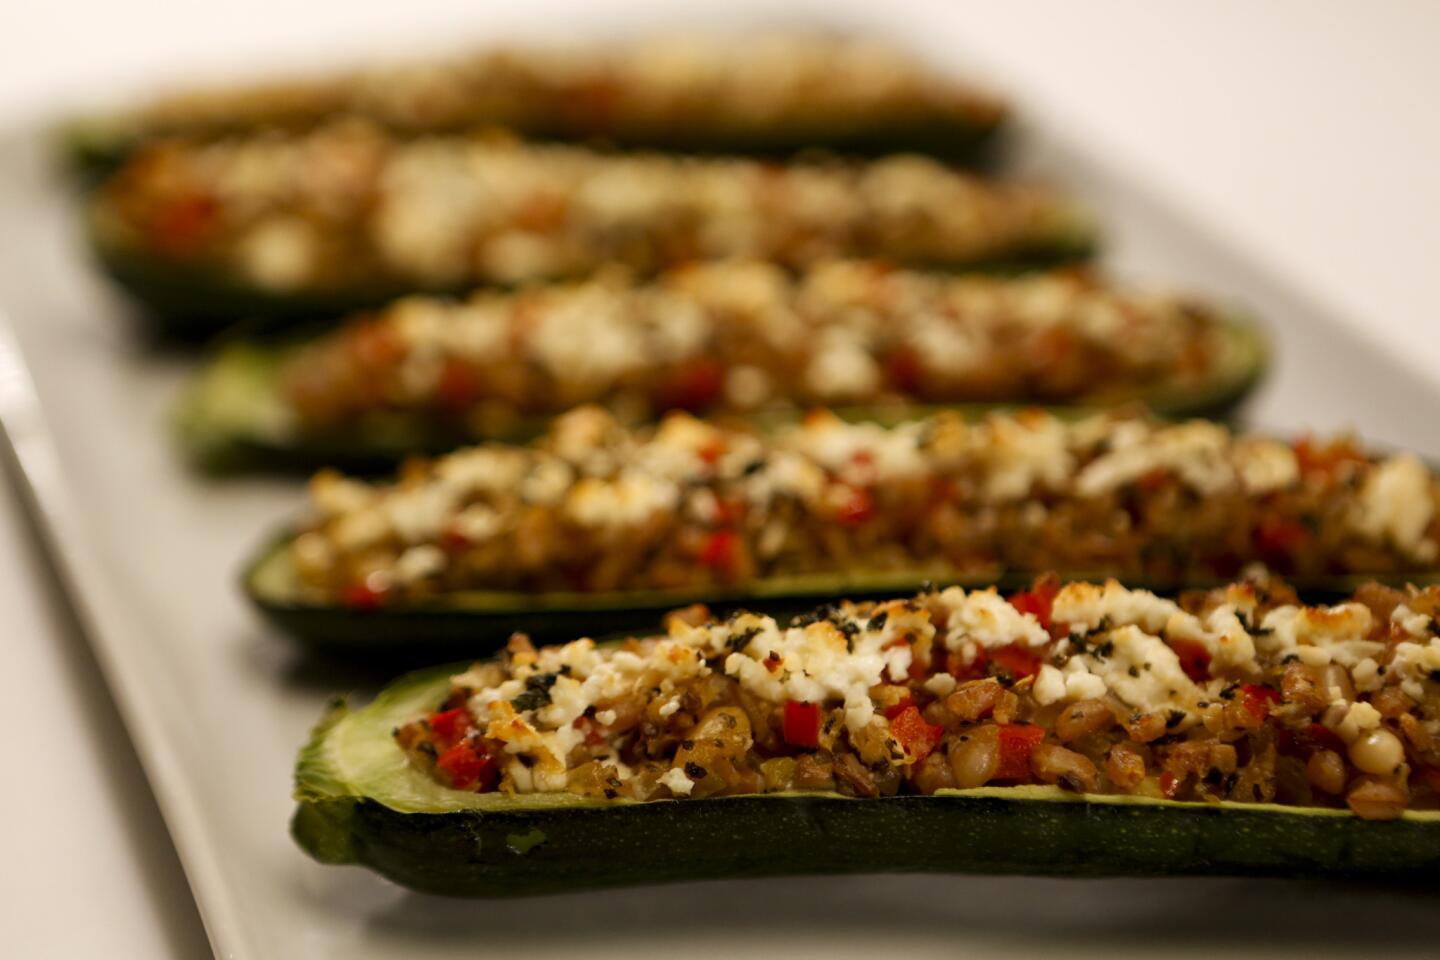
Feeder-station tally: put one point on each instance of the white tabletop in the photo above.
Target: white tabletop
(1303, 132)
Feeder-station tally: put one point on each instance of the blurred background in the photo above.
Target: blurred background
(1304, 134)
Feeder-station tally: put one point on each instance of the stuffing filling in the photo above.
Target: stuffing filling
(348, 208)
(689, 505)
(740, 337)
(1236, 694)
(671, 90)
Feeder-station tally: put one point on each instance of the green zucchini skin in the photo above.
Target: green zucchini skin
(233, 419)
(191, 305)
(359, 803)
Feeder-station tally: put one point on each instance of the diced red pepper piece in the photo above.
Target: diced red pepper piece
(458, 388)
(1169, 785)
(1018, 661)
(977, 669)
(183, 224)
(466, 766)
(711, 451)
(802, 724)
(855, 508)
(721, 550)
(1039, 600)
(729, 511)
(915, 735)
(1194, 658)
(1281, 536)
(1017, 742)
(377, 345)
(903, 368)
(363, 595)
(1258, 699)
(449, 726)
(452, 540)
(1152, 480)
(905, 703)
(694, 386)
(591, 729)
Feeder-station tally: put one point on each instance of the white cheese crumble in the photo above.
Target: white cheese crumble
(678, 782)
(1142, 671)
(1319, 635)
(988, 619)
(1359, 719)
(1396, 505)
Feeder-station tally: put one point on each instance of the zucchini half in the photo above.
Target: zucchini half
(91, 149)
(480, 621)
(359, 802)
(234, 418)
(192, 304)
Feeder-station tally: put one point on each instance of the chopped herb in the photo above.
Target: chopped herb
(537, 692)
(1134, 671)
(739, 641)
(877, 622)
(694, 771)
(1174, 719)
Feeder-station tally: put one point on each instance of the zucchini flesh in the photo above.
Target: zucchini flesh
(359, 802)
(233, 417)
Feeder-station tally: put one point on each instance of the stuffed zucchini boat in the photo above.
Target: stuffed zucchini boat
(594, 524)
(1076, 730)
(345, 216)
(427, 375)
(772, 94)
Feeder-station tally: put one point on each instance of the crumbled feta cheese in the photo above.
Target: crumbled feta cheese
(1023, 454)
(1085, 605)
(419, 563)
(1367, 676)
(1416, 663)
(679, 784)
(1360, 718)
(1195, 451)
(1142, 671)
(1338, 634)
(1396, 505)
(941, 685)
(986, 618)
(1049, 686)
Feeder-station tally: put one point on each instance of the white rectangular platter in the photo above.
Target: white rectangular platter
(217, 706)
